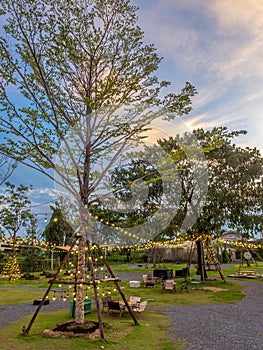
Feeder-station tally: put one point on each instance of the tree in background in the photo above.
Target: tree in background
(234, 193)
(15, 217)
(58, 232)
(234, 196)
(73, 64)
(31, 250)
(125, 182)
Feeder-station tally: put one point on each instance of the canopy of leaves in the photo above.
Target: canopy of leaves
(15, 213)
(235, 187)
(58, 231)
(66, 61)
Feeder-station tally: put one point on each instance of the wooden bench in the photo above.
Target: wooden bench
(249, 272)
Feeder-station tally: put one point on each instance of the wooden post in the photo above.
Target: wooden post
(119, 288)
(90, 262)
(27, 329)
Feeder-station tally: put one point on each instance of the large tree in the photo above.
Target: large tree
(70, 64)
(234, 192)
(233, 188)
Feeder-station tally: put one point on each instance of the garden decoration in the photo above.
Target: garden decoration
(91, 280)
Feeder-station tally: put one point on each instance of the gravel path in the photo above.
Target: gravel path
(9, 313)
(237, 326)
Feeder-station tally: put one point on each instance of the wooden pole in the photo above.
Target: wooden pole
(119, 288)
(94, 282)
(27, 329)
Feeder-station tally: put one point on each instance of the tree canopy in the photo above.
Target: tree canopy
(67, 61)
(58, 231)
(234, 183)
(15, 212)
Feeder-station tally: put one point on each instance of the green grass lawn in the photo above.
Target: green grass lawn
(120, 332)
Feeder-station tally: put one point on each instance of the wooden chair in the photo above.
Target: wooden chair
(116, 307)
(105, 302)
(195, 282)
(141, 306)
(169, 284)
(147, 281)
(135, 301)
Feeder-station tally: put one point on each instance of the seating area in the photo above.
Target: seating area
(195, 282)
(116, 307)
(119, 307)
(148, 281)
(135, 302)
(140, 307)
(169, 285)
(105, 302)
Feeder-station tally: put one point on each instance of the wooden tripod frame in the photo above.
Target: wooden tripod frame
(93, 281)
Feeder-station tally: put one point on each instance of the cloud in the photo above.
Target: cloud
(231, 15)
(218, 46)
(218, 38)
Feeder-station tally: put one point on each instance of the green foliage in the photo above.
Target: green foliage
(66, 60)
(58, 231)
(234, 184)
(15, 214)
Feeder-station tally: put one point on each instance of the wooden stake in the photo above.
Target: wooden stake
(27, 329)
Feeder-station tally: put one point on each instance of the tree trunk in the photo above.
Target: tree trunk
(80, 278)
(153, 253)
(201, 260)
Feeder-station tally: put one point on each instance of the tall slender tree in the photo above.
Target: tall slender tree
(15, 214)
(72, 65)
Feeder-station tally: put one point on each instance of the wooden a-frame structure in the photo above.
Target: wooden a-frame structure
(205, 248)
(92, 281)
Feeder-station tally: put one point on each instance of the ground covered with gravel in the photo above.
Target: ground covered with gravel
(237, 326)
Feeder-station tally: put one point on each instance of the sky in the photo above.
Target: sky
(217, 45)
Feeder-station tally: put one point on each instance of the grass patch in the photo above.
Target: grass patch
(157, 297)
(120, 333)
(19, 295)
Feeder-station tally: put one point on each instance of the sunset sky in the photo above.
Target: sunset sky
(217, 46)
